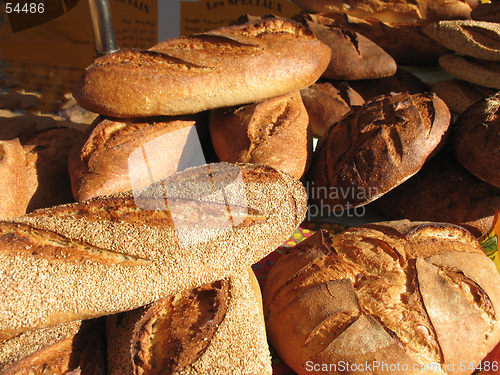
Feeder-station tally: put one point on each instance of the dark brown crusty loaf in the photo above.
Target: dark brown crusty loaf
(404, 41)
(274, 132)
(394, 10)
(476, 71)
(353, 56)
(406, 294)
(112, 155)
(120, 252)
(443, 191)
(376, 147)
(476, 139)
(75, 348)
(224, 67)
(216, 328)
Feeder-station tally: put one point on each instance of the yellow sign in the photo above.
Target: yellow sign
(490, 242)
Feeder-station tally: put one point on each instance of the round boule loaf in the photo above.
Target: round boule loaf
(476, 139)
(401, 297)
(374, 148)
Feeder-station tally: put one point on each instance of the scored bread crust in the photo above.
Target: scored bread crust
(220, 330)
(111, 254)
(401, 292)
(375, 147)
(224, 67)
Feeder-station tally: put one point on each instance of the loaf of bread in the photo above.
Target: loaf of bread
(14, 195)
(353, 55)
(47, 153)
(401, 297)
(75, 348)
(216, 328)
(120, 252)
(476, 139)
(404, 41)
(479, 39)
(459, 94)
(374, 148)
(477, 71)
(327, 102)
(394, 10)
(224, 67)
(119, 155)
(443, 191)
(489, 12)
(274, 132)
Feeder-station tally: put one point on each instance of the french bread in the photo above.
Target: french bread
(216, 328)
(401, 297)
(120, 252)
(229, 66)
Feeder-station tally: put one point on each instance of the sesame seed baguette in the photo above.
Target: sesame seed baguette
(123, 251)
(217, 328)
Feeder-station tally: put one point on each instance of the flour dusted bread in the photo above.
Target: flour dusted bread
(376, 147)
(274, 132)
(120, 252)
(216, 328)
(405, 293)
(224, 67)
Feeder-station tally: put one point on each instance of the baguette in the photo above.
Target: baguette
(120, 252)
(217, 328)
(224, 67)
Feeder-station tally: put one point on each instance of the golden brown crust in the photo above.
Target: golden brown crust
(114, 156)
(124, 251)
(216, 328)
(399, 292)
(480, 72)
(476, 136)
(376, 147)
(14, 195)
(224, 67)
(274, 132)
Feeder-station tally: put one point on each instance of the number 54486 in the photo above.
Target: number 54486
(24, 8)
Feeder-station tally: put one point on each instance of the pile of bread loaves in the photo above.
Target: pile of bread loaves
(200, 163)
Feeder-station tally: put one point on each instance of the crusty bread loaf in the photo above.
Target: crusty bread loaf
(224, 67)
(353, 55)
(14, 195)
(46, 153)
(443, 191)
(477, 71)
(112, 155)
(394, 10)
(123, 251)
(327, 102)
(404, 41)
(402, 297)
(77, 348)
(479, 39)
(476, 139)
(489, 12)
(374, 148)
(274, 132)
(216, 328)
(459, 94)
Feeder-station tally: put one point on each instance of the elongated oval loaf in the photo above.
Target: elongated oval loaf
(123, 251)
(224, 67)
(411, 295)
